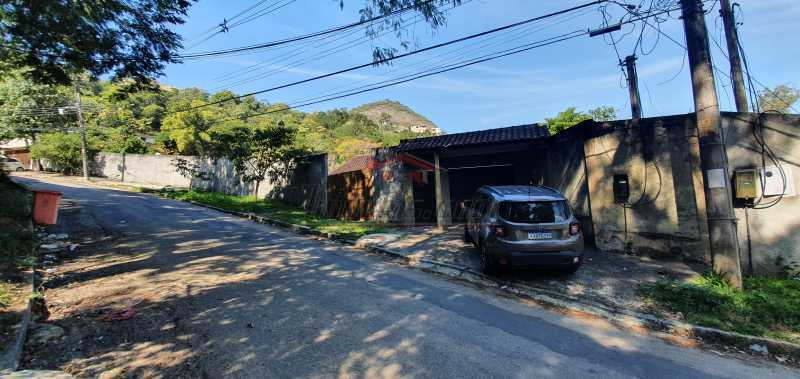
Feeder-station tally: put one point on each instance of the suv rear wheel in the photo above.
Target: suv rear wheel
(467, 237)
(20, 169)
(488, 264)
(571, 269)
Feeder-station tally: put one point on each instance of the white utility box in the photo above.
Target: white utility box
(773, 181)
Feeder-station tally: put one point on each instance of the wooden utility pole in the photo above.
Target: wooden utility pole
(633, 87)
(732, 37)
(723, 239)
(79, 110)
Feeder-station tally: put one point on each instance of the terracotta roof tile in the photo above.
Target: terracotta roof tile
(357, 163)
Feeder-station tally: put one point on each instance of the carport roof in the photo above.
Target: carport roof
(480, 137)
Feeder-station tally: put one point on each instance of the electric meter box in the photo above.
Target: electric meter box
(621, 188)
(746, 184)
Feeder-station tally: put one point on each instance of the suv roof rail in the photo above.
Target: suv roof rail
(550, 188)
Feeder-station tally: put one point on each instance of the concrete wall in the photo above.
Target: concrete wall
(565, 170)
(774, 231)
(139, 168)
(393, 200)
(659, 156)
(667, 215)
(304, 186)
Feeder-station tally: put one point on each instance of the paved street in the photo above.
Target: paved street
(221, 297)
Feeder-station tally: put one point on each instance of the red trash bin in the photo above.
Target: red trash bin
(45, 206)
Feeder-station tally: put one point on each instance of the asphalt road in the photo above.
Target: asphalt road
(257, 301)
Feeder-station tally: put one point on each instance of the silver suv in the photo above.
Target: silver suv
(524, 226)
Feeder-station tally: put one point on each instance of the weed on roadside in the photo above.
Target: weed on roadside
(276, 210)
(5, 295)
(766, 306)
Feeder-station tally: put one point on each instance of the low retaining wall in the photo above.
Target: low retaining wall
(305, 186)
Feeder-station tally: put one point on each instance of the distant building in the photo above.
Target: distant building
(422, 128)
(17, 148)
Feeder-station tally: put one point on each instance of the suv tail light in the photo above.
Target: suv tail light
(574, 228)
(498, 230)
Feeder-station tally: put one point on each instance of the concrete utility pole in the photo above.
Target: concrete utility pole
(633, 87)
(719, 207)
(732, 37)
(79, 110)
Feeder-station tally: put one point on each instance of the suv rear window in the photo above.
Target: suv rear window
(534, 212)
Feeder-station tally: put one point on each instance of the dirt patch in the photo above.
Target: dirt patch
(101, 315)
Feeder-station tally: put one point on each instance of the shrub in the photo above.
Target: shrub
(16, 228)
(62, 150)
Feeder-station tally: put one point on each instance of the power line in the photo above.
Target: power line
(301, 37)
(224, 27)
(303, 61)
(451, 67)
(725, 74)
(389, 59)
(322, 54)
(456, 54)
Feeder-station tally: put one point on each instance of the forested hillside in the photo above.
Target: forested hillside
(180, 121)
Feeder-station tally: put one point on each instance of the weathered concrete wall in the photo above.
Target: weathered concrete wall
(305, 186)
(139, 168)
(391, 187)
(774, 231)
(565, 171)
(657, 154)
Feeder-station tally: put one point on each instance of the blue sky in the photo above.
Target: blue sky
(522, 88)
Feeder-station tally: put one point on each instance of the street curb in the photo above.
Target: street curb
(620, 317)
(10, 360)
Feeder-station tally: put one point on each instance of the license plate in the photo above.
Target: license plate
(540, 236)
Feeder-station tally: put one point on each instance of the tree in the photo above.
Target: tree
(259, 152)
(189, 129)
(566, 119)
(123, 139)
(432, 11)
(63, 150)
(350, 147)
(27, 108)
(779, 99)
(571, 117)
(60, 38)
(603, 113)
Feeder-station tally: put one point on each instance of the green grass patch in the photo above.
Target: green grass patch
(5, 295)
(277, 210)
(768, 307)
(16, 226)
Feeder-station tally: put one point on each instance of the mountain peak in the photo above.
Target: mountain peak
(391, 114)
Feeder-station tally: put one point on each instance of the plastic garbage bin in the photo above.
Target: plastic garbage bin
(45, 206)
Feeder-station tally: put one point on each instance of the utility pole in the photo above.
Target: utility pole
(732, 37)
(723, 238)
(79, 110)
(633, 87)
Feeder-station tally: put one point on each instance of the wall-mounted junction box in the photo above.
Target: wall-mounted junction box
(746, 184)
(778, 183)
